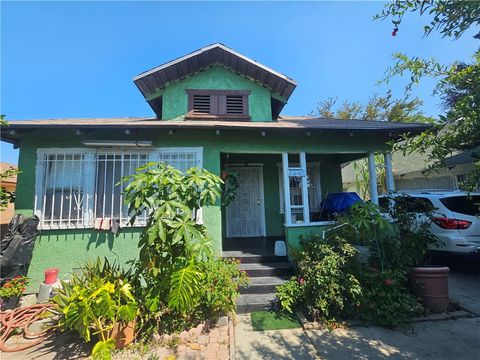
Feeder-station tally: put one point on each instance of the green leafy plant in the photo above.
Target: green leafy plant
(14, 287)
(327, 286)
(386, 299)
(174, 243)
(230, 187)
(93, 302)
(221, 285)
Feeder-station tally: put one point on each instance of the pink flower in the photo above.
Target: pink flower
(388, 282)
(301, 281)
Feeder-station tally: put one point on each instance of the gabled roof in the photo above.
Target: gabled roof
(150, 81)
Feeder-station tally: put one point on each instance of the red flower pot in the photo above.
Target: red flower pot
(51, 276)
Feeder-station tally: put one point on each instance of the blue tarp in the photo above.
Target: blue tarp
(337, 203)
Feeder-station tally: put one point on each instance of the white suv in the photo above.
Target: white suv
(455, 221)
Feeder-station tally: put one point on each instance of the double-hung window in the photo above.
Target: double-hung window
(76, 186)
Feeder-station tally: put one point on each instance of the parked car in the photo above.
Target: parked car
(455, 220)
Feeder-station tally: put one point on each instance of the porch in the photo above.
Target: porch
(279, 197)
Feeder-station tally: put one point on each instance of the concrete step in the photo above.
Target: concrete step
(264, 285)
(253, 302)
(267, 269)
(253, 258)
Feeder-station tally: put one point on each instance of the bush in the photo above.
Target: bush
(220, 288)
(327, 286)
(386, 300)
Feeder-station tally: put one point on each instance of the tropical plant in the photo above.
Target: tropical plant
(173, 243)
(14, 287)
(230, 187)
(93, 302)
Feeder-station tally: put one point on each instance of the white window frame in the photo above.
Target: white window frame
(316, 181)
(90, 185)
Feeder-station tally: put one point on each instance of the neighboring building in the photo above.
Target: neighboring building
(216, 109)
(408, 172)
(9, 184)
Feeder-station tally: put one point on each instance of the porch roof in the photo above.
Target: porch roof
(284, 123)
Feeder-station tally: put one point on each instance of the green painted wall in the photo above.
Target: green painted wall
(175, 99)
(62, 247)
(293, 234)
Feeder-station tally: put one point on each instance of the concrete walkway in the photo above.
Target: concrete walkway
(440, 340)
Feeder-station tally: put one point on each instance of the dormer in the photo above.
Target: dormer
(212, 83)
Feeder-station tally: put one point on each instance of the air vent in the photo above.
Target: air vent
(201, 104)
(235, 104)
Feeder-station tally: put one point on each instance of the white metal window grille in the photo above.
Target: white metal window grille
(75, 186)
(314, 189)
(64, 189)
(111, 167)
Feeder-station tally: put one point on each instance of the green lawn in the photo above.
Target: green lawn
(269, 320)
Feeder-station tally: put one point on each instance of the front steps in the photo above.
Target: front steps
(266, 273)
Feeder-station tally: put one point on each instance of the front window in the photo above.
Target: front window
(79, 187)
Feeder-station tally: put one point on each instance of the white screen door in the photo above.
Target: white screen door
(246, 213)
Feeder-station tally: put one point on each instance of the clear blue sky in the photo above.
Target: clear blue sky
(77, 59)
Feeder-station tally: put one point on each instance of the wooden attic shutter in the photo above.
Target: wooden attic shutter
(201, 104)
(235, 105)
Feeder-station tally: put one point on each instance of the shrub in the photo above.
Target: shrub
(386, 300)
(327, 286)
(94, 301)
(220, 288)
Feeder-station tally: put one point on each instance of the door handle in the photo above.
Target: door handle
(258, 201)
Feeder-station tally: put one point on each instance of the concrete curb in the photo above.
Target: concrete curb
(231, 334)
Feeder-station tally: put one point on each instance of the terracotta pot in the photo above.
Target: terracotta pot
(430, 283)
(123, 334)
(51, 276)
(9, 303)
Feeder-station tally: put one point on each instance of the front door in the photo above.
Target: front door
(246, 213)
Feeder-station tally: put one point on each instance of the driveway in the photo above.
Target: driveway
(440, 340)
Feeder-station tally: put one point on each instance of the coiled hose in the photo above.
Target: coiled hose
(23, 318)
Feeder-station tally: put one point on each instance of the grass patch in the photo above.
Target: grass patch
(270, 320)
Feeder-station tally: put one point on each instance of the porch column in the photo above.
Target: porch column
(389, 172)
(372, 175)
(306, 205)
(286, 190)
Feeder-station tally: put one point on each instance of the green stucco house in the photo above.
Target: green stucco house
(214, 108)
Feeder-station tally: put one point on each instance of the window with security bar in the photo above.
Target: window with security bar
(314, 190)
(74, 187)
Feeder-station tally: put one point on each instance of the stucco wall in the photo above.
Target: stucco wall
(175, 99)
(61, 248)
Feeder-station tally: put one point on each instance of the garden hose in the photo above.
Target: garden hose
(22, 318)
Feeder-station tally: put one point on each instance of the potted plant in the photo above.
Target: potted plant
(11, 291)
(407, 248)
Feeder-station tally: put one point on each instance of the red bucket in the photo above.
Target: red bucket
(51, 276)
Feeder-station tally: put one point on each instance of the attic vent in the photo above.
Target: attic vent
(218, 104)
(201, 104)
(235, 104)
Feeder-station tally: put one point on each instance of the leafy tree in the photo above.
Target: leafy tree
(458, 84)
(451, 18)
(173, 243)
(378, 108)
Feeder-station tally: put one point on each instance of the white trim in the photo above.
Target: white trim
(286, 190)
(317, 223)
(372, 174)
(306, 207)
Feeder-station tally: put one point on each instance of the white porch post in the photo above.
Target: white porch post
(286, 189)
(389, 172)
(372, 174)
(306, 207)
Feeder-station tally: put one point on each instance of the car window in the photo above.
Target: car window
(468, 205)
(414, 204)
